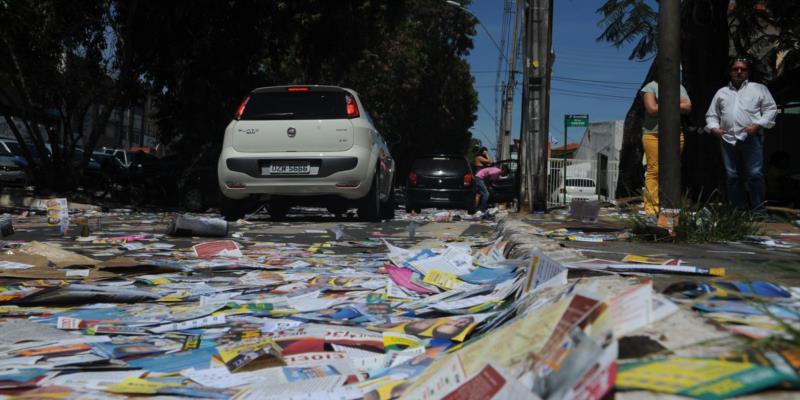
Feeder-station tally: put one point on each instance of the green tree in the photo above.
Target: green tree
(199, 60)
(57, 59)
(406, 59)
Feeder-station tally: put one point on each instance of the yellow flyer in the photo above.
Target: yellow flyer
(699, 378)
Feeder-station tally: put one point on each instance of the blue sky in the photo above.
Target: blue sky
(578, 56)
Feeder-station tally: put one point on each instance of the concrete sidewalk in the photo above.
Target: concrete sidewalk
(742, 261)
(686, 333)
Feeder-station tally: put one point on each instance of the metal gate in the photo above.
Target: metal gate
(586, 179)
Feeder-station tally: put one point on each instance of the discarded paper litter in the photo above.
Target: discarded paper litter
(129, 312)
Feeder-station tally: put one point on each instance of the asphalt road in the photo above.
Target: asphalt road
(302, 228)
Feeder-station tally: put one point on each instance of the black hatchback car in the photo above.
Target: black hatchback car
(440, 181)
(506, 189)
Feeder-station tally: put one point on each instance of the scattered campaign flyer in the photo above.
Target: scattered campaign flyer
(253, 318)
(58, 214)
(708, 379)
(218, 248)
(542, 269)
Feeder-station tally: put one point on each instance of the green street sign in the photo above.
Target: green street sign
(791, 110)
(576, 120)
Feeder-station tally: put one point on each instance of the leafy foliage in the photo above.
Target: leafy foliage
(710, 221)
(405, 58)
(627, 21)
(199, 60)
(56, 60)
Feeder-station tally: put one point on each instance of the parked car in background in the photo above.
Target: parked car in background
(121, 157)
(13, 165)
(77, 157)
(11, 171)
(305, 145)
(440, 181)
(505, 189)
(578, 188)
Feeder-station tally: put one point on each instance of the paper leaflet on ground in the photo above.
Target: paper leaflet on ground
(493, 253)
(615, 266)
(195, 323)
(219, 248)
(632, 258)
(58, 214)
(301, 390)
(632, 308)
(699, 378)
(544, 270)
(453, 260)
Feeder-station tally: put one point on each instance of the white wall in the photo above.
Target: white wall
(603, 137)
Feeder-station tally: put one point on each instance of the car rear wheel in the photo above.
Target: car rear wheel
(233, 209)
(387, 209)
(369, 210)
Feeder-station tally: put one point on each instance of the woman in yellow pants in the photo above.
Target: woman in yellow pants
(650, 142)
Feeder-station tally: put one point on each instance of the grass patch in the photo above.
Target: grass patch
(710, 221)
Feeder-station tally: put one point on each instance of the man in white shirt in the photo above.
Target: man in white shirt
(738, 114)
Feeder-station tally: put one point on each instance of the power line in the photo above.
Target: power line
(488, 112)
(593, 94)
(561, 77)
(483, 135)
(566, 78)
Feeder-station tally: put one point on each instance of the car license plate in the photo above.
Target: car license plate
(287, 168)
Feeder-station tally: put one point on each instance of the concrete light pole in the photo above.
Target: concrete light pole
(669, 122)
(538, 43)
(504, 139)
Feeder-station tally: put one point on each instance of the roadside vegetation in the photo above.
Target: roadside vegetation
(713, 220)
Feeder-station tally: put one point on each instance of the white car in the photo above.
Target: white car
(305, 145)
(578, 188)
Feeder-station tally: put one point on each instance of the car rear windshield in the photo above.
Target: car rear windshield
(580, 182)
(446, 164)
(295, 105)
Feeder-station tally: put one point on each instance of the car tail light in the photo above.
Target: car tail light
(240, 110)
(298, 89)
(467, 179)
(412, 178)
(352, 107)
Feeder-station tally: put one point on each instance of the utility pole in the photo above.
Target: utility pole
(538, 43)
(508, 93)
(669, 129)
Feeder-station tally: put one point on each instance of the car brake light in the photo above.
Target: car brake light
(298, 89)
(467, 179)
(412, 178)
(240, 110)
(352, 107)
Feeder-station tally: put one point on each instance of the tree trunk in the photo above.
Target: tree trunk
(631, 171)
